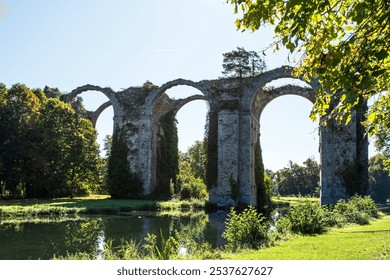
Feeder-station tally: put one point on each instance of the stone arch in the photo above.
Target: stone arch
(159, 105)
(178, 104)
(108, 92)
(255, 90)
(285, 126)
(181, 82)
(158, 93)
(240, 105)
(264, 97)
(96, 114)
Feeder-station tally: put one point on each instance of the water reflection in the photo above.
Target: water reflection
(47, 237)
(43, 239)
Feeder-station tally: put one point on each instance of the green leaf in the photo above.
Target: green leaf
(382, 54)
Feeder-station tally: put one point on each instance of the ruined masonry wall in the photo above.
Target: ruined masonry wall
(137, 112)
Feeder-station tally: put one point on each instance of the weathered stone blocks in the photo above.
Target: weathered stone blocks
(238, 103)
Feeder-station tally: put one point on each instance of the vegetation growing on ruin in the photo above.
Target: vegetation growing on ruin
(121, 182)
(167, 156)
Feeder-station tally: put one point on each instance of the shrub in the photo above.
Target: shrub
(365, 204)
(357, 210)
(193, 188)
(333, 217)
(248, 229)
(307, 218)
(282, 228)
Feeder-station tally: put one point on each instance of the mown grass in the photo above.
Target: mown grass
(97, 204)
(291, 200)
(354, 242)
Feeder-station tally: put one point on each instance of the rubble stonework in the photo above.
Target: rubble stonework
(239, 104)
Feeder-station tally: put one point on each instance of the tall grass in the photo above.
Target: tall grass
(176, 204)
(38, 210)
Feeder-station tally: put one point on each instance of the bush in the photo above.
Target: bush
(282, 228)
(307, 218)
(248, 229)
(193, 188)
(365, 204)
(357, 210)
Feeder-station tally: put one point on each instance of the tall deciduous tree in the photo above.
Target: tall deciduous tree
(241, 63)
(197, 158)
(45, 149)
(18, 114)
(344, 44)
(296, 179)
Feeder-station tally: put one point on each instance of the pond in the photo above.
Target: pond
(43, 238)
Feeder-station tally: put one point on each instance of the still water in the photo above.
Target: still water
(47, 237)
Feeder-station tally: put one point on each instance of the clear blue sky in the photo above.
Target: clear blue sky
(122, 43)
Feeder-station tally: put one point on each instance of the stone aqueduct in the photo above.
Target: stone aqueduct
(237, 106)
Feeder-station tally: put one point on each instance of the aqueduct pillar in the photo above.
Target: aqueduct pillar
(344, 160)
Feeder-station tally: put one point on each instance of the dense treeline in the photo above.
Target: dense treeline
(191, 177)
(304, 179)
(46, 150)
(379, 179)
(297, 179)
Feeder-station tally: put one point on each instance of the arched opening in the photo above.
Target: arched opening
(287, 133)
(191, 117)
(182, 111)
(92, 100)
(104, 128)
(289, 139)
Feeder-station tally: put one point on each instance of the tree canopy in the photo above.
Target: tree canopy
(241, 63)
(297, 179)
(344, 44)
(46, 150)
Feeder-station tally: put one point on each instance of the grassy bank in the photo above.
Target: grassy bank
(292, 200)
(354, 242)
(175, 204)
(96, 204)
(103, 204)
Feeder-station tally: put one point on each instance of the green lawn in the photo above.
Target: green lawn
(291, 200)
(90, 204)
(353, 242)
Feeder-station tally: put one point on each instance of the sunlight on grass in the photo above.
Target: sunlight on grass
(291, 200)
(353, 242)
(79, 205)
